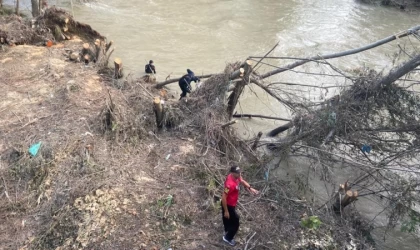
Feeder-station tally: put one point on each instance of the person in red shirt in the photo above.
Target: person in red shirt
(229, 201)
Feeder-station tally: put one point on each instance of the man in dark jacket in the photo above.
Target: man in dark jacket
(185, 83)
(150, 68)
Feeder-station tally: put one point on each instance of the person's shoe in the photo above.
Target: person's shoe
(230, 242)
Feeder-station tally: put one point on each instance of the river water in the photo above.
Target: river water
(204, 35)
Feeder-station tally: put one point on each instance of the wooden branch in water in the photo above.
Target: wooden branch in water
(344, 53)
(266, 89)
(402, 70)
(280, 129)
(307, 85)
(265, 56)
(260, 116)
(384, 82)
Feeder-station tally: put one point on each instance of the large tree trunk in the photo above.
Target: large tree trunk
(35, 8)
(239, 87)
(400, 71)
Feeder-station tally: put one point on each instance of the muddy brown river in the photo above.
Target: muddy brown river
(204, 35)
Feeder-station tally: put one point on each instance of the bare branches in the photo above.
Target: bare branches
(344, 53)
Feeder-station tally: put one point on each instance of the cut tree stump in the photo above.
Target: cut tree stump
(343, 198)
(75, 56)
(97, 49)
(159, 111)
(118, 68)
(244, 72)
(86, 50)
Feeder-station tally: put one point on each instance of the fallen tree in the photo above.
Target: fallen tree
(370, 126)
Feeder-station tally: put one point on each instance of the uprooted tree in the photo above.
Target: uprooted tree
(371, 126)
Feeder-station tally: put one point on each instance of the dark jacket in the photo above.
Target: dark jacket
(150, 68)
(185, 81)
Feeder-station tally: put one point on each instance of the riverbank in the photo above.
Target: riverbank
(107, 178)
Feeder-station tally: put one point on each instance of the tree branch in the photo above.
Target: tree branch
(344, 53)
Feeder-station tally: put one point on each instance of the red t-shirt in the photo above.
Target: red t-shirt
(232, 190)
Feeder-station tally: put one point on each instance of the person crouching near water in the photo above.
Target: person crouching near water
(229, 200)
(185, 83)
(150, 68)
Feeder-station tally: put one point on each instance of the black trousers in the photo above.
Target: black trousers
(185, 87)
(232, 224)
